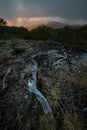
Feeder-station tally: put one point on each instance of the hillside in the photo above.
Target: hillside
(56, 25)
(51, 24)
(42, 83)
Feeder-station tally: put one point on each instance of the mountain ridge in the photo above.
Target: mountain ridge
(54, 24)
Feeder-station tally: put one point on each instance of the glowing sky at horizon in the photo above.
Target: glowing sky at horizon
(34, 20)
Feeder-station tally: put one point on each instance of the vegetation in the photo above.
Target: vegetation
(74, 38)
(67, 94)
(72, 122)
(2, 22)
(68, 99)
(13, 33)
(47, 122)
(71, 37)
(17, 51)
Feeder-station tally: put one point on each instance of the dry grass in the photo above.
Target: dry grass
(55, 94)
(72, 122)
(81, 82)
(47, 122)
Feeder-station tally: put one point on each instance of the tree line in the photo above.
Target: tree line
(3, 22)
(68, 35)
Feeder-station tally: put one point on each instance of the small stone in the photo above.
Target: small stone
(22, 75)
(26, 96)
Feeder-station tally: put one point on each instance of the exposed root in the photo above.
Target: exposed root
(5, 77)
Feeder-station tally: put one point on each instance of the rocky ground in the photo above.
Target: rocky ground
(62, 82)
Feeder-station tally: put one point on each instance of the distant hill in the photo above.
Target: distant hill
(51, 24)
(56, 25)
(32, 27)
(76, 26)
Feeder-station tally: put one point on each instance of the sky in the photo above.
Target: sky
(31, 12)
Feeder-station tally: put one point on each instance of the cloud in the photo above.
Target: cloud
(24, 21)
(33, 20)
(66, 10)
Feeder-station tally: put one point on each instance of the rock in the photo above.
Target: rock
(26, 96)
(22, 76)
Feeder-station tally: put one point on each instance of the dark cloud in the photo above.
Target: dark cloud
(69, 9)
(63, 8)
(7, 8)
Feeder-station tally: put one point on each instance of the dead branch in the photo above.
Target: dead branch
(5, 77)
